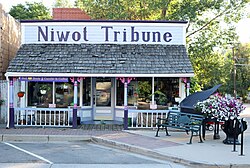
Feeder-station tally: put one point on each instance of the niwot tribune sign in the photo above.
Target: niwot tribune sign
(104, 32)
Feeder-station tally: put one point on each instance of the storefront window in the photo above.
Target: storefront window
(86, 92)
(39, 94)
(144, 89)
(64, 95)
(166, 89)
(119, 93)
(139, 91)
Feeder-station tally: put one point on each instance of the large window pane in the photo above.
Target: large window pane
(139, 91)
(39, 94)
(144, 90)
(86, 92)
(119, 93)
(65, 94)
(170, 89)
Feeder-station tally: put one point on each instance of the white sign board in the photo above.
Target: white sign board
(104, 32)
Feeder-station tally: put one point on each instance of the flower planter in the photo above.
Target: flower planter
(232, 128)
(225, 109)
(20, 94)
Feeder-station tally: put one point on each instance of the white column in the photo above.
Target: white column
(125, 120)
(126, 95)
(188, 86)
(153, 90)
(53, 93)
(23, 99)
(81, 92)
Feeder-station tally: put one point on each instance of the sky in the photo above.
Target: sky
(243, 26)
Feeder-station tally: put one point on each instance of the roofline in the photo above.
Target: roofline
(21, 74)
(107, 21)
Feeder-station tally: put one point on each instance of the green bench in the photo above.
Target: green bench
(184, 121)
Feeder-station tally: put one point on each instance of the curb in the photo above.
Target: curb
(140, 150)
(43, 138)
(157, 155)
(112, 144)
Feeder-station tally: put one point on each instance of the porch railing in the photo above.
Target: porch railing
(144, 118)
(62, 117)
(56, 117)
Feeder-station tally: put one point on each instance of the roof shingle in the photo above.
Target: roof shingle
(101, 59)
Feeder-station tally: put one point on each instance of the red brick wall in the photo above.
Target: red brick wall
(69, 14)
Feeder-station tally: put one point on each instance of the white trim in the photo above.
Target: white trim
(27, 74)
(102, 23)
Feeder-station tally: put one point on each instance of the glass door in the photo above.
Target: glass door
(103, 99)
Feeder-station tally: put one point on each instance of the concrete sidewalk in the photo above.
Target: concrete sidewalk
(211, 153)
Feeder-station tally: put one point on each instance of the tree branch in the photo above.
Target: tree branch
(213, 19)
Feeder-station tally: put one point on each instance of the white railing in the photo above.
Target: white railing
(55, 117)
(144, 118)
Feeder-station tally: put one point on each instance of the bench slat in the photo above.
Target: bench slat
(183, 121)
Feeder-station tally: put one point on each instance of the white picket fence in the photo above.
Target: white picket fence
(145, 118)
(62, 117)
(55, 117)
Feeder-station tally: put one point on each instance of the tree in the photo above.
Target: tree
(30, 11)
(210, 27)
(242, 55)
(63, 4)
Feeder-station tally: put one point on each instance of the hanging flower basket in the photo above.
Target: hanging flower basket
(20, 94)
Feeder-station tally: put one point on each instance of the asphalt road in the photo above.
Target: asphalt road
(72, 154)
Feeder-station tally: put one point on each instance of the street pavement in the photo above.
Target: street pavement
(211, 153)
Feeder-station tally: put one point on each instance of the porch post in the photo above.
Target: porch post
(11, 103)
(188, 86)
(125, 104)
(153, 90)
(74, 123)
(125, 81)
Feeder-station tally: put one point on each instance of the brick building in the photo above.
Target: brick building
(10, 40)
(69, 14)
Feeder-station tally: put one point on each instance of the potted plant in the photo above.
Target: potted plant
(20, 94)
(160, 97)
(1, 102)
(227, 109)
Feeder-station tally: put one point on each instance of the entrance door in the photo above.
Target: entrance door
(104, 98)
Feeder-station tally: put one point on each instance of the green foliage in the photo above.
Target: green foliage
(1, 102)
(160, 97)
(242, 54)
(206, 39)
(63, 4)
(30, 11)
(144, 88)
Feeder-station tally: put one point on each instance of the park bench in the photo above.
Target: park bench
(184, 121)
